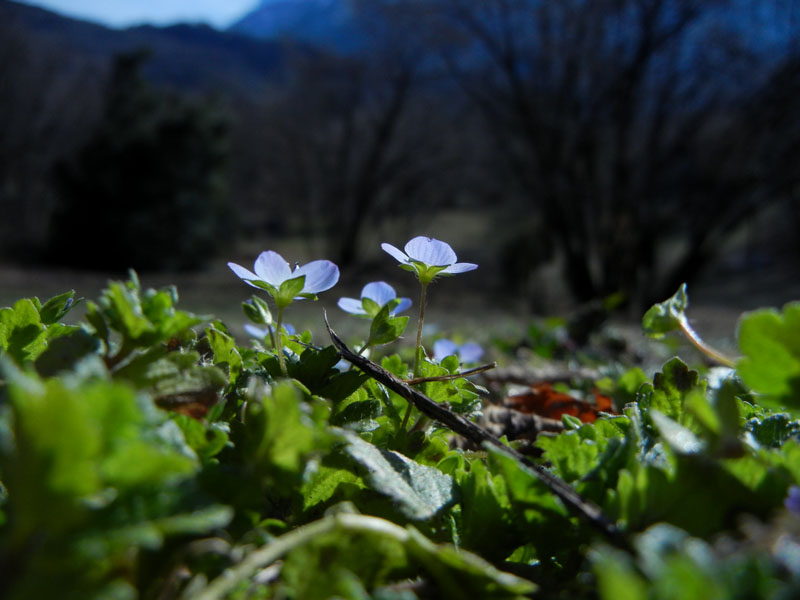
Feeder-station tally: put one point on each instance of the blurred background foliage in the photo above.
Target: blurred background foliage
(621, 144)
(150, 184)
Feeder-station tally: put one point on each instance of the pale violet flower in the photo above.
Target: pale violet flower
(467, 353)
(428, 257)
(380, 293)
(272, 271)
(792, 501)
(262, 332)
(285, 284)
(256, 332)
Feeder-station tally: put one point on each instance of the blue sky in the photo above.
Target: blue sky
(123, 13)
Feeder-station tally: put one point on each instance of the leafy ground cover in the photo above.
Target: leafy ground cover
(146, 453)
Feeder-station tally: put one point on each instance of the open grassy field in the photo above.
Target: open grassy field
(473, 305)
(455, 306)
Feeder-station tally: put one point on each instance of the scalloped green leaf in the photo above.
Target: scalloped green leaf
(670, 389)
(23, 336)
(419, 492)
(225, 352)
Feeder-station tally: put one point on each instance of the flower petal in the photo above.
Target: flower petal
(470, 352)
(272, 268)
(430, 251)
(351, 305)
(243, 273)
(405, 303)
(395, 252)
(459, 268)
(320, 275)
(443, 348)
(379, 291)
(256, 332)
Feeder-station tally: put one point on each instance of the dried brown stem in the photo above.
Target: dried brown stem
(466, 373)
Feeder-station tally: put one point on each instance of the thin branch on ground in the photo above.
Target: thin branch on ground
(574, 502)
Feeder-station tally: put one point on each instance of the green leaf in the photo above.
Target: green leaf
(328, 479)
(425, 273)
(679, 438)
(571, 455)
(205, 439)
(57, 307)
(257, 310)
(718, 417)
(225, 352)
(770, 345)
(359, 416)
(23, 336)
(340, 560)
(289, 289)
(197, 522)
(314, 369)
(279, 433)
(386, 329)
(461, 574)
(140, 463)
(420, 492)
(173, 375)
(95, 318)
(395, 365)
(70, 445)
(371, 307)
(143, 318)
(666, 316)
(267, 287)
(670, 389)
(64, 352)
(487, 523)
(543, 520)
(617, 577)
(773, 431)
(357, 557)
(127, 307)
(450, 363)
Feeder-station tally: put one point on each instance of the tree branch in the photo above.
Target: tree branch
(574, 502)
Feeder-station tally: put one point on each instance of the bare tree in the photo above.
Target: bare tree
(47, 101)
(351, 137)
(606, 111)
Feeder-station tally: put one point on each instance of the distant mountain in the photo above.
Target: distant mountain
(329, 23)
(190, 57)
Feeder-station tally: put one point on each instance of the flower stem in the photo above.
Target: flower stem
(279, 547)
(698, 343)
(279, 342)
(460, 375)
(418, 347)
(422, 294)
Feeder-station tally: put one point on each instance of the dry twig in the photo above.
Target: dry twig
(480, 437)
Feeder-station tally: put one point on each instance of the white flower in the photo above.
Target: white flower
(379, 292)
(271, 269)
(428, 257)
(467, 353)
(262, 332)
